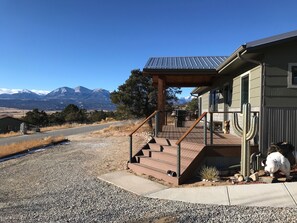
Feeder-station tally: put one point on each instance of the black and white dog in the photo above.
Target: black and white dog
(280, 157)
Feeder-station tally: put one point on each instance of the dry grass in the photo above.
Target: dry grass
(124, 130)
(57, 127)
(72, 125)
(9, 134)
(26, 145)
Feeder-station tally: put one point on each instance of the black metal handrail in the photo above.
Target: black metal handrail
(204, 115)
(155, 113)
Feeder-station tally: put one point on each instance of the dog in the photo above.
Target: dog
(286, 149)
(226, 128)
(276, 161)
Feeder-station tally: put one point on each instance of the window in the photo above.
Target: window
(213, 100)
(292, 75)
(227, 94)
(244, 90)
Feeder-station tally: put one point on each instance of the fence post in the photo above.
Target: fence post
(156, 124)
(130, 152)
(205, 129)
(178, 161)
(211, 128)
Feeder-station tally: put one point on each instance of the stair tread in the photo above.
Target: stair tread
(163, 161)
(174, 155)
(161, 141)
(152, 168)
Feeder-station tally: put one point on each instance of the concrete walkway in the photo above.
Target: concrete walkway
(274, 195)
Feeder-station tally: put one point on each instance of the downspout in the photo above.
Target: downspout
(262, 98)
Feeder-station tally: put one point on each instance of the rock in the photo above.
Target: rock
(239, 177)
(247, 179)
(255, 176)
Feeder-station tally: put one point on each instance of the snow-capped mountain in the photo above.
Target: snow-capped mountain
(62, 92)
(15, 91)
(18, 94)
(56, 99)
(184, 100)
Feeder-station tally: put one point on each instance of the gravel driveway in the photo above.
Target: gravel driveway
(60, 184)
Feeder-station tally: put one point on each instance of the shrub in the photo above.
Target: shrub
(209, 173)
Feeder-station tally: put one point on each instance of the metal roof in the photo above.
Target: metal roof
(185, 63)
(272, 39)
(258, 44)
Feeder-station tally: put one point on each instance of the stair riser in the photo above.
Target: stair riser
(184, 152)
(146, 152)
(163, 167)
(149, 172)
(155, 146)
(169, 158)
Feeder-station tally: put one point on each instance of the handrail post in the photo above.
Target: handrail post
(178, 161)
(156, 124)
(205, 129)
(130, 152)
(211, 128)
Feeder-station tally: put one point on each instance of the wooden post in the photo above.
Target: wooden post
(161, 102)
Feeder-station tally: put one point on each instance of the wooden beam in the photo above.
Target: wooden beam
(161, 101)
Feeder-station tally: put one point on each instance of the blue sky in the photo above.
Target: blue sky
(46, 44)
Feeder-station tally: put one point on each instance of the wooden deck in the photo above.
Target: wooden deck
(197, 135)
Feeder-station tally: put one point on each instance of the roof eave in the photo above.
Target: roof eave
(232, 58)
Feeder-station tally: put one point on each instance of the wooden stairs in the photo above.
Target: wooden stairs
(159, 157)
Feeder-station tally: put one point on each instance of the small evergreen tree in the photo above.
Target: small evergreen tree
(36, 117)
(73, 114)
(137, 97)
(97, 116)
(192, 105)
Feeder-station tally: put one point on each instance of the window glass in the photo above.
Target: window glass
(214, 100)
(245, 90)
(227, 94)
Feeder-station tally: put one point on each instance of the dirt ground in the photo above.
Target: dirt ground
(116, 141)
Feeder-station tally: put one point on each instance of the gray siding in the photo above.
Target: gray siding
(254, 94)
(280, 126)
(205, 102)
(235, 105)
(277, 93)
(280, 102)
(254, 90)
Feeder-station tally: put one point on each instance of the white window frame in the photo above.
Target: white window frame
(246, 74)
(290, 75)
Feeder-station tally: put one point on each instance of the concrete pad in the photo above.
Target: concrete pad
(292, 188)
(269, 195)
(132, 183)
(203, 195)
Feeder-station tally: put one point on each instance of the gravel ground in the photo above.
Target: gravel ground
(60, 184)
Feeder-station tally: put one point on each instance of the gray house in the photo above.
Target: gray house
(263, 73)
(8, 124)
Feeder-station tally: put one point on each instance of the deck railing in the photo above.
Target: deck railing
(178, 143)
(155, 113)
(211, 131)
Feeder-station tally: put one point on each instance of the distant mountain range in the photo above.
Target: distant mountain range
(58, 99)
(97, 99)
